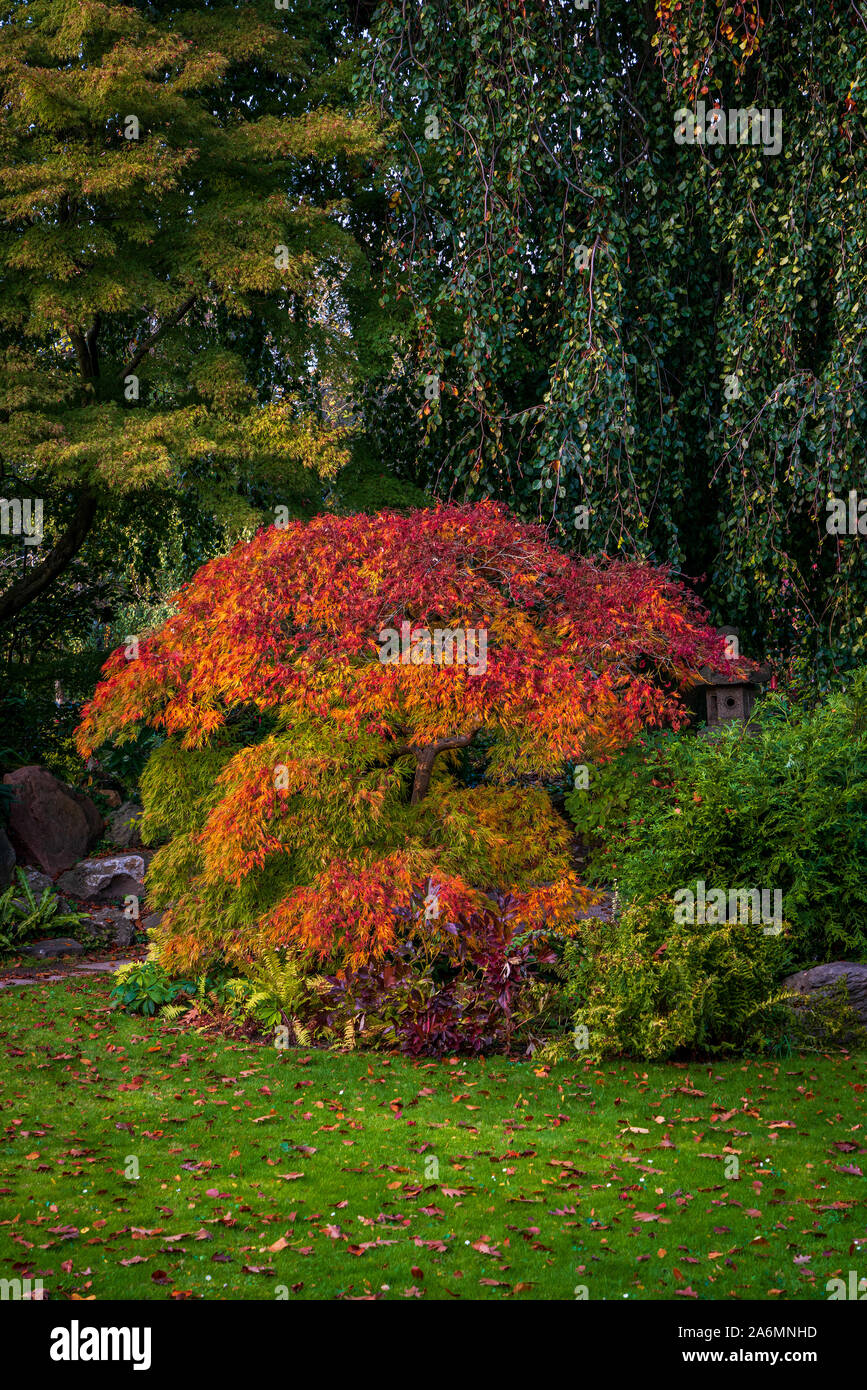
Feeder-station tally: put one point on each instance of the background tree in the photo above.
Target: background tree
(172, 203)
(309, 785)
(672, 336)
(186, 305)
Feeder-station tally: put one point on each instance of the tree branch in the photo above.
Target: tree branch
(35, 580)
(424, 761)
(171, 322)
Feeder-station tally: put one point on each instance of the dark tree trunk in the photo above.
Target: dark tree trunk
(424, 761)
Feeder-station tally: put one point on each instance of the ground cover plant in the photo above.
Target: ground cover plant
(308, 1174)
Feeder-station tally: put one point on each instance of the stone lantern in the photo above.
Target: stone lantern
(729, 697)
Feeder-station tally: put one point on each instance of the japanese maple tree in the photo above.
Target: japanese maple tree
(309, 782)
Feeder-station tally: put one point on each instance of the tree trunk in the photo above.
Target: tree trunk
(41, 576)
(424, 761)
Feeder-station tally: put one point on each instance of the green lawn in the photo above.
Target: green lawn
(318, 1172)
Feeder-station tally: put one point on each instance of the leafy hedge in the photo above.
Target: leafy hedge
(786, 809)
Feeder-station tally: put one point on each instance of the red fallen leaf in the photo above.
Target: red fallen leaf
(256, 1269)
(439, 1246)
(752, 1211)
(66, 1266)
(416, 1272)
(851, 1168)
(159, 1276)
(412, 1292)
(453, 1191)
(494, 1283)
(305, 1250)
(334, 1232)
(279, 1244)
(218, 1259)
(844, 1147)
(135, 1260)
(432, 1211)
(646, 1216)
(215, 1192)
(688, 1292)
(522, 1287)
(485, 1249)
(289, 1177)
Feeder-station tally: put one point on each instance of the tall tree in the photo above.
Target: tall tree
(173, 252)
(646, 340)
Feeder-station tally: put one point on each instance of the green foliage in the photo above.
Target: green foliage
(786, 809)
(277, 990)
(178, 786)
(648, 987)
(23, 915)
(616, 790)
(143, 987)
(671, 335)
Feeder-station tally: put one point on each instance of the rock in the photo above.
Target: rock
(52, 824)
(95, 822)
(123, 828)
(114, 925)
(37, 882)
(820, 980)
(113, 798)
(152, 920)
(7, 860)
(55, 946)
(105, 880)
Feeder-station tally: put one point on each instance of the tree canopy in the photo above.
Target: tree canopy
(309, 776)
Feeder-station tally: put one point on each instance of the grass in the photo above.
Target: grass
(317, 1175)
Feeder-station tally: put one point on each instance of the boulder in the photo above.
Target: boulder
(152, 921)
(7, 860)
(37, 882)
(821, 980)
(105, 880)
(55, 946)
(52, 824)
(95, 822)
(113, 924)
(123, 825)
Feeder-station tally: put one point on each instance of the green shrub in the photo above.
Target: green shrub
(785, 810)
(143, 987)
(648, 987)
(616, 791)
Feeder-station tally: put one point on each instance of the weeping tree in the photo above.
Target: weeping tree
(627, 242)
(317, 688)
